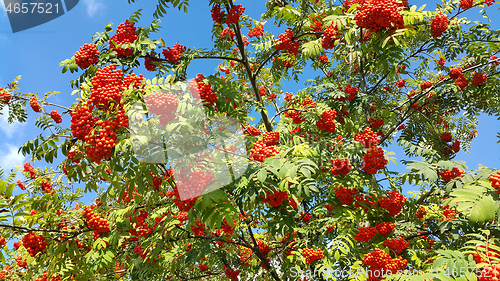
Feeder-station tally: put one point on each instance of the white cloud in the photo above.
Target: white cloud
(9, 129)
(93, 7)
(11, 158)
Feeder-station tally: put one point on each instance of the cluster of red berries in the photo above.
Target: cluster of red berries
(397, 244)
(149, 62)
(275, 199)
(162, 105)
(466, 4)
(261, 151)
(286, 42)
(331, 35)
(216, 13)
(139, 223)
(374, 160)
(52, 278)
(227, 229)
(125, 34)
(446, 137)
(375, 123)
(421, 212)
(448, 175)
(205, 90)
(47, 187)
(478, 78)
(258, 30)
(271, 138)
(439, 25)
(251, 130)
(365, 234)
(2, 241)
(173, 55)
(401, 83)
(377, 15)
(449, 213)
(312, 255)
(95, 222)
(495, 181)
(425, 85)
(234, 14)
(4, 96)
(29, 169)
(227, 31)
(199, 229)
(231, 273)
(21, 185)
(21, 262)
(352, 91)
(34, 243)
(245, 254)
(34, 104)
(308, 103)
(460, 80)
(368, 138)
(295, 115)
(323, 59)
(82, 121)
(56, 116)
(340, 167)
(345, 195)
(192, 184)
(106, 86)
(87, 55)
(394, 203)
(327, 121)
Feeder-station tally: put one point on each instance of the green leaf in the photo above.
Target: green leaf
(262, 175)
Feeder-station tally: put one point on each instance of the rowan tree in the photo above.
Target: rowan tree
(308, 189)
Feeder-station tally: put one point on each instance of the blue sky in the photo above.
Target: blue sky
(35, 54)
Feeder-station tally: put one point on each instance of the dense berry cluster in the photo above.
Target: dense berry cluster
(106, 87)
(401, 83)
(327, 121)
(227, 31)
(312, 255)
(149, 62)
(205, 90)
(495, 181)
(271, 138)
(275, 199)
(199, 229)
(374, 160)
(420, 213)
(375, 123)
(173, 55)
(217, 14)
(21, 262)
(368, 138)
(87, 55)
(460, 80)
(191, 185)
(21, 185)
(439, 25)
(95, 222)
(47, 186)
(258, 30)
(478, 78)
(397, 244)
(446, 137)
(251, 130)
(56, 116)
(286, 42)
(82, 121)
(345, 195)
(323, 59)
(231, 273)
(448, 175)
(125, 34)
(4, 96)
(29, 169)
(162, 105)
(331, 34)
(425, 85)
(365, 234)
(466, 4)
(245, 254)
(34, 243)
(234, 14)
(34, 104)
(364, 202)
(377, 15)
(394, 203)
(340, 167)
(261, 151)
